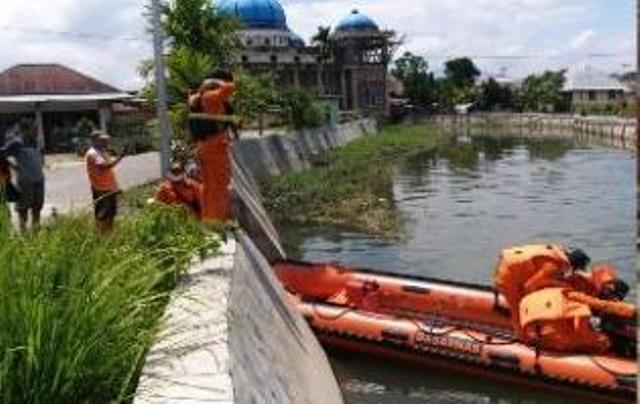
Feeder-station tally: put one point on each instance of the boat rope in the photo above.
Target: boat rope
(608, 370)
(333, 317)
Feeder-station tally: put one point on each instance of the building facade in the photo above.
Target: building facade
(588, 86)
(56, 97)
(351, 66)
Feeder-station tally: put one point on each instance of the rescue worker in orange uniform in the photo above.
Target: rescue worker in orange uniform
(520, 266)
(559, 318)
(177, 189)
(208, 106)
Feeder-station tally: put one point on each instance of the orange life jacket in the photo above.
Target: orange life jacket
(549, 305)
(518, 264)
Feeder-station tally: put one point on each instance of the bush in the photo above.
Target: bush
(302, 109)
(79, 311)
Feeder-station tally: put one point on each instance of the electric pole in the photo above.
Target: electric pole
(161, 88)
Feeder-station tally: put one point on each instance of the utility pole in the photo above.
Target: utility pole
(161, 88)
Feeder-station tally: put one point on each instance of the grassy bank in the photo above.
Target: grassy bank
(78, 311)
(353, 186)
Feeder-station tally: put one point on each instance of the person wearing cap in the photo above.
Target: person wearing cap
(208, 108)
(178, 189)
(104, 185)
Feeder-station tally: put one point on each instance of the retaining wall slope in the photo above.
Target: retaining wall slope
(230, 335)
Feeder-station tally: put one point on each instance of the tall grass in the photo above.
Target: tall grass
(354, 187)
(78, 311)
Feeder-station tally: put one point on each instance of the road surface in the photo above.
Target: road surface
(67, 187)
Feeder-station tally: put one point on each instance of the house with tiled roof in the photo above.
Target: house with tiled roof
(57, 97)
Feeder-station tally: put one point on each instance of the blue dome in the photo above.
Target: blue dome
(263, 14)
(357, 22)
(297, 41)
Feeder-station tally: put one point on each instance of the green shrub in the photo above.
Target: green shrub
(301, 108)
(79, 311)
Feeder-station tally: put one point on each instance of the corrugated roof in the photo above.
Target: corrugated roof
(589, 78)
(49, 79)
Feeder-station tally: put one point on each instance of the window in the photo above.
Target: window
(267, 42)
(249, 42)
(592, 96)
(613, 95)
(274, 59)
(245, 58)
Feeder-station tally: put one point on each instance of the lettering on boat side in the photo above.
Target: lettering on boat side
(395, 335)
(504, 360)
(426, 340)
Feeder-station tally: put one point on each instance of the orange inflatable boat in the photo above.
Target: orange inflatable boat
(445, 324)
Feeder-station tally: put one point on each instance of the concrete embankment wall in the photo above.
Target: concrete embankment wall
(230, 335)
(614, 131)
(277, 154)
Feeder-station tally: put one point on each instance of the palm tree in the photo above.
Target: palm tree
(322, 39)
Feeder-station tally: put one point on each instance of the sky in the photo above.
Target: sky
(108, 38)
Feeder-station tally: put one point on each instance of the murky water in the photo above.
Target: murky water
(462, 204)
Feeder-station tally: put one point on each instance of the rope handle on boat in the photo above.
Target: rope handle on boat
(330, 318)
(606, 369)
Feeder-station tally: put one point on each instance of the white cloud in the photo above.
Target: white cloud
(437, 29)
(92, 36)
(583, 39)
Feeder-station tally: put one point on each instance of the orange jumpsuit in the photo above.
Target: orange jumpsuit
(186, 192)
(519, 265)
(559, 319)
(213, 155)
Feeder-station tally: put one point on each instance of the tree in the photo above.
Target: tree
(543, 93)
(255, 95)
(461, 72)
(199, 39)
(322, 39)
(419, 83)
(196, 25)
(493, 95)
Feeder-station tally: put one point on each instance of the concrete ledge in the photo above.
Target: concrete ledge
(190, 362)
(231, 336)
(613, 131)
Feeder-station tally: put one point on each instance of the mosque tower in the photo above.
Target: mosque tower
(355, 73)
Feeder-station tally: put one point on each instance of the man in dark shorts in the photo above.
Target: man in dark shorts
(104, 186)
(27, 160)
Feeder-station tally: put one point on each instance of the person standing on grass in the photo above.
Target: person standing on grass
(27, 159)
(104, 185)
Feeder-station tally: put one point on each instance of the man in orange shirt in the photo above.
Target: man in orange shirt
(177, 189)
(208, 108)
(104, 186)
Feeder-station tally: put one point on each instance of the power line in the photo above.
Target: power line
(528, 57)
(77, 35)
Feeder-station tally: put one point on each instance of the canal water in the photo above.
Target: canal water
(462, 203)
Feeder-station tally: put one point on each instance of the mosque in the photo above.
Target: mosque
(352, 69)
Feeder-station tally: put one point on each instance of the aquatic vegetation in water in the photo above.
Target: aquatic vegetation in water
(353, 187)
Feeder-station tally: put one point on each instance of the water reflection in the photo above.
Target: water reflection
(464, 202)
